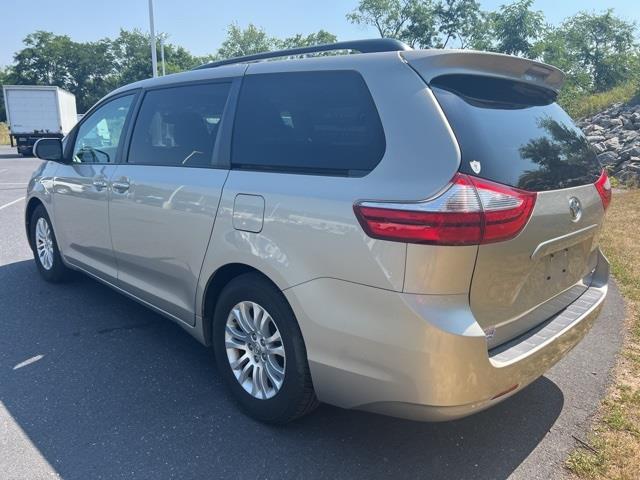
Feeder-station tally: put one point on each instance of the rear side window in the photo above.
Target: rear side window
(178, 126)
(307, 122)
(515, 134)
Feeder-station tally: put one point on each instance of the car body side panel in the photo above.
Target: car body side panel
(439, 270)
(309, 224)
(304, 234)
(160, 230)
(82, 218)
(41, 187)
(161, 225)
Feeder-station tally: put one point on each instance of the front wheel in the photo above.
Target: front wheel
(260, 352)
(45, 247)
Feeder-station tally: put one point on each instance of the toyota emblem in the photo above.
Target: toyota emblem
(575, 209)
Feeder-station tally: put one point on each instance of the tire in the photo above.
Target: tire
(294, 397)
(55, 271)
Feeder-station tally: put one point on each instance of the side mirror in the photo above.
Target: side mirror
(49, 149)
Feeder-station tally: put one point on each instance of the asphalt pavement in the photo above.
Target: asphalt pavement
(93, 385)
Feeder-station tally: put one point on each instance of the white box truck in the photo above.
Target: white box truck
(37, 111)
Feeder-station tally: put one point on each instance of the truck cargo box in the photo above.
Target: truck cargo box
(35, 111)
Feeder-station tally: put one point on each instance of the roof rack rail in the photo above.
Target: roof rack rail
(362, 46)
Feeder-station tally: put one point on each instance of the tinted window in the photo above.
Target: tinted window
(517, 133)
(178, 125)
(99, 135)
(307, 122)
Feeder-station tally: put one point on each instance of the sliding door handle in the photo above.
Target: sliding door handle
(121, 186)
(99, 183)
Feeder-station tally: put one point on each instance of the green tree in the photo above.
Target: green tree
(517, 27)
(458, 20)
(178, 59)
(482, 35)
(299, 40)
(44, 60)
(247, 41)
(132, 53)
(389, 17)
(552, 49)
(91, 72)
(132, 50)
(426, 23)
(253, 39)
(422, 29)
(85, 69)
(602, 45)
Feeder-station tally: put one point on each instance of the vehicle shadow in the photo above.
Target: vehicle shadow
(120, 392)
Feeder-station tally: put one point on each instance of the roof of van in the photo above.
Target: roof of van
(430, 63)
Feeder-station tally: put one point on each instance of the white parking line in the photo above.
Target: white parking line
(11, 203)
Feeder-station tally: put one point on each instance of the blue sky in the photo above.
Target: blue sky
(199, 25)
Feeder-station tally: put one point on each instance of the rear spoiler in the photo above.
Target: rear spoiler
(431, 64)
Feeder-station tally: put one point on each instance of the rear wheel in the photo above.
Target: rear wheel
(260, 352)
(45, 247)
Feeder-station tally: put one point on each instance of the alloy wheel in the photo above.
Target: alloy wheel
(255, 350)
(44, 243)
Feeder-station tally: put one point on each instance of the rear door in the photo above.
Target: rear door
(166, 194)
(515, 134)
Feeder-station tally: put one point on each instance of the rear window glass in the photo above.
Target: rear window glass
(515, 134)
(307, 122)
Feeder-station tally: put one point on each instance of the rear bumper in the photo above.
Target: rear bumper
(424, 357)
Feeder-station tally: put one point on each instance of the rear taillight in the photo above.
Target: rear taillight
(470, 211)
(603, 185)
(506, 209)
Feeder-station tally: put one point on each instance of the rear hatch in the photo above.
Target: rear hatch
(511, 131)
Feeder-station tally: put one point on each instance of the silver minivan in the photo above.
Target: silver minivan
(408, 232)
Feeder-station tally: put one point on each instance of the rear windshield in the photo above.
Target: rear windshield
(515, 134)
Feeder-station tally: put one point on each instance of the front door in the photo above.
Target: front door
(165, 195)
(81, 189)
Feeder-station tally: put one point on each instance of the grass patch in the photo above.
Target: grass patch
(615, 435)
(4, 134)
(581, 106)
(588, 463)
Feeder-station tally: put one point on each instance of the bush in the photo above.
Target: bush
(580, 105)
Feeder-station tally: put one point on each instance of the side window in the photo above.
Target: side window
(307, 122)
(178, 125)
(99, 135)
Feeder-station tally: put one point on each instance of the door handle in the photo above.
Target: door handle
(100, 184)
(121, 186)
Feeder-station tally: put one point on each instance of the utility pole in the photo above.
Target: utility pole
(154, 58)
(162, 54)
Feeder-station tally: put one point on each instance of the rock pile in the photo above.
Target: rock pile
(615, 136)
